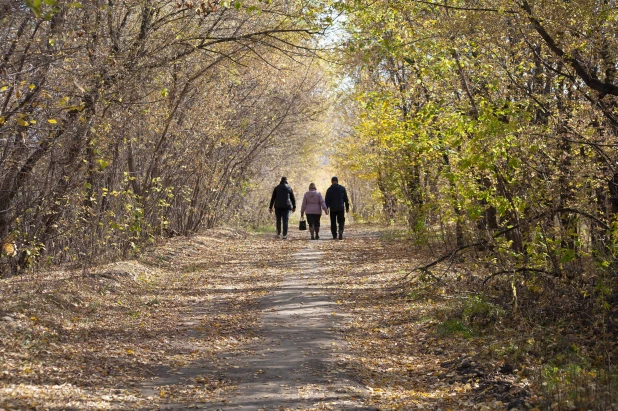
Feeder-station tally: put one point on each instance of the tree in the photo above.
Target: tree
(125, 121)
(493, 121)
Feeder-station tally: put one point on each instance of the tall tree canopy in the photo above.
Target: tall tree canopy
(493, 126)
(121, 121)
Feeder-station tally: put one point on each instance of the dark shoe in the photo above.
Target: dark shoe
(312, 237)
(317, 237)
(341, 236)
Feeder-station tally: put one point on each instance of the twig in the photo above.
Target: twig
(480, 9)
(452, 254)
(519, 270)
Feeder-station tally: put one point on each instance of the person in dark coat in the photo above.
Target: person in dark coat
(283, 201)
(337, 201)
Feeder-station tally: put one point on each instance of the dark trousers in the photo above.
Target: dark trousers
(337, 217)
(283, 214)
(314, 220)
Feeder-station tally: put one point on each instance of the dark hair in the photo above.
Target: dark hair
(283, 180)
(334, 179)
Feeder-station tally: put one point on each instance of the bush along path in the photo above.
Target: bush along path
(237, 321)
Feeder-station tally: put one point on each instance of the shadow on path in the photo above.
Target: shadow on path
(298, 362)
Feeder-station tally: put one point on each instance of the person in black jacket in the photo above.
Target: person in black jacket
(337, 199)
(283, 200)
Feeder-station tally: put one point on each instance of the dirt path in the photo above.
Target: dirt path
(296, 366)
(297, 363)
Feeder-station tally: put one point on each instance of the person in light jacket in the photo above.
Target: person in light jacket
(313, 204)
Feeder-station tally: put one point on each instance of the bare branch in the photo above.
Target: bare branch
(519, 270)
(481, 9)
(593, 83)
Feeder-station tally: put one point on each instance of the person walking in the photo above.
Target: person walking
(283, 201)
(313, 204)
(337, 200)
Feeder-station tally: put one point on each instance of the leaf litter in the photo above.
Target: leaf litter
(393, 331)
(135, 334)
(93, 340)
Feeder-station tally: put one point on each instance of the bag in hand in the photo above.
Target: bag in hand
(302, 225)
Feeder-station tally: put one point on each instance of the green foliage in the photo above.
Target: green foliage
(478, 311)
(467, 317)
(262, 229)
(46, 9)
(471, 132)
(452, 326)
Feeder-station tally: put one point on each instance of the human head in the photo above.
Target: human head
(284, 180)
(312, 186)
(334, 180)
